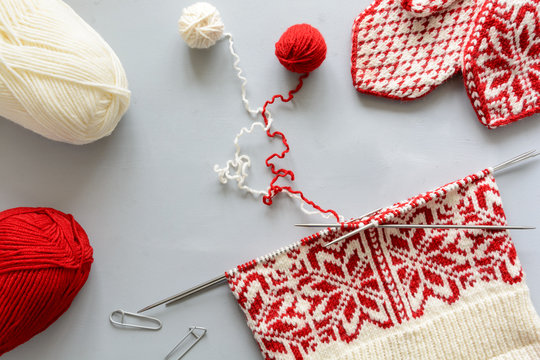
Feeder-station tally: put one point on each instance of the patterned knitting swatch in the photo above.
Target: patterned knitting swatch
(395, 293)
(502, 61)
(398, 55)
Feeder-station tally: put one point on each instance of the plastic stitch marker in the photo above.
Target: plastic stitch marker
(197, 332)
(118, 319)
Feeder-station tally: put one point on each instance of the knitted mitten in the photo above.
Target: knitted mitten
(403, 49)
(502, 61)
(422, 294)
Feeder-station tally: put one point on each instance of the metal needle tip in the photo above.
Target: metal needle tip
(186, 293)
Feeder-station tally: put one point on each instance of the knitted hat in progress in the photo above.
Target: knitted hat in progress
(397, 293)
(403, 49)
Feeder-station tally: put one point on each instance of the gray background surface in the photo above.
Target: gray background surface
(160, 221)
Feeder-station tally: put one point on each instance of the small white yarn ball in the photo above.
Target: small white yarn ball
(58, 77)
(200, 25)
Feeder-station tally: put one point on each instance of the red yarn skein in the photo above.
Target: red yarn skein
(301, 48)
(45, 259)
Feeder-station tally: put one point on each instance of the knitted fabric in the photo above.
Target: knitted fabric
(502, 61)
(397, 293)
(402, 56)
(403, 49)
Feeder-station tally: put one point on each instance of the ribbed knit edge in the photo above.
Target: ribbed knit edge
(501, 326)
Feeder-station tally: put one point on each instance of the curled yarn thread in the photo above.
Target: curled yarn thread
(301, 48)
(236, 169)
(45, 259)
(58, 77)
(200, 25)
(278, 173)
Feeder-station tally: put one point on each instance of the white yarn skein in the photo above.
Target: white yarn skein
(200, 25)
(58, 77)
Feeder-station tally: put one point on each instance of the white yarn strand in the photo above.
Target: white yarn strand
(243, 80)
(58, 77)
(237, 168)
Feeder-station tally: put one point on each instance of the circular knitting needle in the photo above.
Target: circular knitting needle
(517, 159)
(222, 278)
(185, 293)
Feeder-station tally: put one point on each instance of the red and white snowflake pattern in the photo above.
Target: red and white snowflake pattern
(502, 62)
(403, 49)
(307, 295)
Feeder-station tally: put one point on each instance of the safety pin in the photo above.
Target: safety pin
(190, 332)
(219, 279)
(124, 314)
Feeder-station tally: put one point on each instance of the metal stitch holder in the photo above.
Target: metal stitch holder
(122, 316)
(196, 332)
(221, 279)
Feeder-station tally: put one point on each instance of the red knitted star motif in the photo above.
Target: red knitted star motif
(308, 296)
(502, 62)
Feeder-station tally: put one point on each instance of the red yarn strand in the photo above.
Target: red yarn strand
(280, 172)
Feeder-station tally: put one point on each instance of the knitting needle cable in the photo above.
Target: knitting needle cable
(222, 278)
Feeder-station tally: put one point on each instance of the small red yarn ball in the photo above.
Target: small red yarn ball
(45, 259)
(301, 48)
